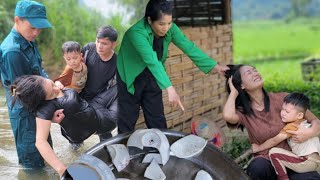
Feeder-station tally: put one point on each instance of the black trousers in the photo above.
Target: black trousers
(262, 169)
(148, 96)
(106, 107)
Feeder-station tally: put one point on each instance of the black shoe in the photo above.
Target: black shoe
(105, 136)
(76, 146)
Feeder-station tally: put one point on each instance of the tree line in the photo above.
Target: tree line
(274, 9)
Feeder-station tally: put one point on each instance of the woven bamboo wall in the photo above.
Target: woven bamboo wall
(201, 94)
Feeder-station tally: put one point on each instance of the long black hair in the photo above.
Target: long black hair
(29, 91)
(156, 8)
(243, 101)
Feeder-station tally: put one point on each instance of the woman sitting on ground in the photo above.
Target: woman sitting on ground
(42, 96)
(251, 106)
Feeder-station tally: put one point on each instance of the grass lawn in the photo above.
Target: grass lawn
(288, 69)
(274, 39)
(277, 48)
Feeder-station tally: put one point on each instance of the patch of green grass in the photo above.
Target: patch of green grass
(288, 69)
(274, 39)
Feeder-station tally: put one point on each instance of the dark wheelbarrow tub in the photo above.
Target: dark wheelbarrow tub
(212, 160)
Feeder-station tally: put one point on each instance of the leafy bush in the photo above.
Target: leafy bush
(311, 89)
(236, 146)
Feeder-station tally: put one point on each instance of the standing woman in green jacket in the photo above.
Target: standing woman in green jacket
(141, 71)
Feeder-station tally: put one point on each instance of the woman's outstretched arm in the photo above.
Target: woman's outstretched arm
(46, 151)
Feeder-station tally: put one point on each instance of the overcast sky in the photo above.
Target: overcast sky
(107, 8)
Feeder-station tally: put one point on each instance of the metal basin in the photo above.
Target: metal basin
(212, 160)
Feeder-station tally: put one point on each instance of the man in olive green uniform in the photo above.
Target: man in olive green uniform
(20, 56)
